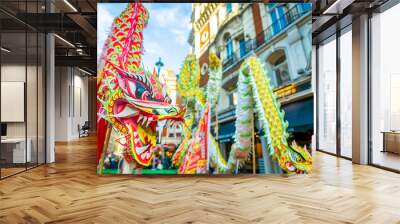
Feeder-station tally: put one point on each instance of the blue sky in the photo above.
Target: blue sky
(165, 35)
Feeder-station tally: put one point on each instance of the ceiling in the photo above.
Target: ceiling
(331, 15)
(74, 22)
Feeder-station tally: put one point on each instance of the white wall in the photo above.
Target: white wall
(223, 101)
(61, 103)
(33, 126)
(248, 23)
(265, 16)
(12, 73)
(81, 84)
(71, 94)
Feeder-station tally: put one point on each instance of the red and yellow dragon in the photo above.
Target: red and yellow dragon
(130, 100)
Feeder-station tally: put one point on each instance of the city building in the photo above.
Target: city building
(170, 134)
(279, 35)
(169, 79)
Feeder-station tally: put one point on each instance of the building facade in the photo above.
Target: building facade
(169, 79)
(279, 35)
(170, 134)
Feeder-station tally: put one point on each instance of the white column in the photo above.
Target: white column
(314, 90)
(360, 90)
(50, 101)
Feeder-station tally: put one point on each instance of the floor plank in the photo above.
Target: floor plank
(70, 191)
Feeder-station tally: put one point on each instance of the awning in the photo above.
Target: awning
(226, 131)
(300, 115)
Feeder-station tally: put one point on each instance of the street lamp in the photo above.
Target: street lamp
(159, 64)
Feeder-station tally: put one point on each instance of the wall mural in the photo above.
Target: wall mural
(135, 111)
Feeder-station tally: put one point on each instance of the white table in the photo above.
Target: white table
(18, 149)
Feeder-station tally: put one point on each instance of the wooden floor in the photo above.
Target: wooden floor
(5, 172)
(69, 191)
(387, 159)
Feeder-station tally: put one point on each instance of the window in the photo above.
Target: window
(242, 47)
(233, 98)
(304, 7)
(22, 63)
(229, 47)
(228, 8)
(278, 17)
(278, 63)
(282, 73)
(327, 96)
(346, 94)
(385, 89)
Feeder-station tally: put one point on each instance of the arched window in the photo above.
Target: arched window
(229, 46)
(278, 63)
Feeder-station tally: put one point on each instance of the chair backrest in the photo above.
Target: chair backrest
(86, 124)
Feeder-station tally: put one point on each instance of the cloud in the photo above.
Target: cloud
(181, 35)
(104, 22)
(152, 47)
(165, 17)
(175, 19)
(165, 36)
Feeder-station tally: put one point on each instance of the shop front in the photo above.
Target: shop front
(299, 114)
(226, 132)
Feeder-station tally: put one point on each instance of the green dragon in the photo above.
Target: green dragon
(255, 95)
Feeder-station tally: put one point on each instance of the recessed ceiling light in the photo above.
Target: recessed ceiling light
(64, 40)
(337, 7)
(333, 6)
(84, 71)
(5, 50)
(70, 5)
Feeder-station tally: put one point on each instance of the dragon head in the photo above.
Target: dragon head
(137, 108)
(299, 159)
(131, 100)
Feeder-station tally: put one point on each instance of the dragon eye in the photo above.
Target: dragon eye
(145, 95)
(172, 110)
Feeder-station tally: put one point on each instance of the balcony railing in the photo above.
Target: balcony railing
(266, 35)
(281, 24)
(238, 54)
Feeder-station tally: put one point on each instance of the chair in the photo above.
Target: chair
(84, 130)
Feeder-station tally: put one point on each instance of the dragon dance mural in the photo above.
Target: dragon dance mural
(133, 103)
